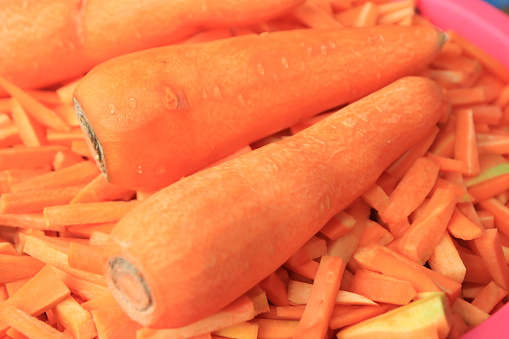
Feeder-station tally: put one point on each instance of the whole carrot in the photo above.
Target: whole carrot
(155, 116)
(46, 42)
(198, 244)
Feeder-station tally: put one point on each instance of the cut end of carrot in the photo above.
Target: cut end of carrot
(91, 136)
(129, 288)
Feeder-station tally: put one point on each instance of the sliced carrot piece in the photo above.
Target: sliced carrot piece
(28, 157)
(376, 198)
(28, 325)
(349, 315)
(64, 137)
(36, 201)
(447, 164)
(14, 267)
(28, 221)
(382, 288)
(9, 136)
(339, 225)
(411, 190)
(67, 113)
(487, 114)
(85, 289)
(99, 189)
(86, 258)
(65, 159)
(87, 213)
(36, 109)
(12, 176)
(500, 213)
(374, 232)
(275, 289)
(80, 173)
(317, 313)
(466, 142)
(490, 249)
(490, 188)
(425, 233)
(31, 132)
(81, 147)
(396, 16)
(312, 249)
(314, 16)
(243, 330)
(462, 228)
(365, 14)
(446, 260)
(471, 314)
(489, 297)
(75, 319)
(65, 92)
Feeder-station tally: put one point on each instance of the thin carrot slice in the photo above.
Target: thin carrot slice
(425, 233)
(362, 15)
(490, 249)
(86, 258)
(307, 269)
(349, 315)
(28, 325)
(317, 313)
(41, 113)
(314, 16)
(500, 213)
(463, 228)
(466, 142)
(75, 319)
(36, 201)
(411, 190)
(376, 198)
(87, 213)
(489, 297)
(9, 136)
(80, 173)
(208, 35)
(339, 225)
(65, 159)
(458, 327)
(99, 189)
(29, 298)
(47, 97)
(12, 176)
(470, 314)
(312, 249)
(28, 157)
(14, 267)
(374, 232)
(489, 188)
(275, 289)
(490, 63)
(64, 138)
(85, 289)
(447, 164)
(446, 260)
(31, 132)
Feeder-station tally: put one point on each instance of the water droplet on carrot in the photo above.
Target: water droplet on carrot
(242, 99)
(139, 170)
(260, 69)
(217, 93)
(323, 48)
(171, 100)
(284, 62)
(112, 109)
(132, 103)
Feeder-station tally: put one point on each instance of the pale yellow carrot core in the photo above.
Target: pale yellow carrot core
(130, 284)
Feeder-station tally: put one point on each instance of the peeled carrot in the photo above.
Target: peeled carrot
(67, 48)
(149, 296)
(123, 120)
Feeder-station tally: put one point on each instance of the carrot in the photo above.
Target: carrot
(466, 143)
(65, 159)
(28, 325)
(426, 231)
(489, 297)
(446, 260)
(376, 198)
(312, 249)
(31, 132)
(27, 220)
(28, 157)
(272, 244)
(83, 44)
(374, 232)
(75, 319)
(29, 299)
(314, 16)
(317, 313)
(359, 16)
(64, 138)
(11, 176)
(338, 225)
(299, 293)
(99, 189)
(9, 136)
(349, 315)
(471, 314)
(411, 190)
(86, 290)
(490, 249)
(275, 289)
(463, 228)
(123, 152)
(14, 267)
(86, 258)
(499, 211)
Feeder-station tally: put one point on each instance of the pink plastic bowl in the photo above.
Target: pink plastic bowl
(488, 28)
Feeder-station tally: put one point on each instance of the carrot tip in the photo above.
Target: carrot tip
(90, 134)
(129, 285)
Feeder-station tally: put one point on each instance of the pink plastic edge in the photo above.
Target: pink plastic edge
(478, 21)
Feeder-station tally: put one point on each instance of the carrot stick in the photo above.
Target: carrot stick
(396, 16)
(312, 249)
(349, 315)
(9, 136)
(80, 173)
(339, 225)
(489, 297)
(75, 319)
(87, 213)
(65, 159)
(85, 289)
(14, 267)
(313, 16)
(462, 228)
(307, 269)
(99, 189)
(411, 190)
(490, 249)
(374, 232)
(489, 188)
(425, 233)
(87, 230)
(275, 289)
(86, 258)
(113, 323)
(129, 162)
(446, 260)
(243, 330)
(27, 220)
(471, 314)
(65, 91)
(36, 201)
(38, 111)
(376, 198)
(66, 112)
(499, 211)
(359, 16)
(47, 97)
(64, 138)
(12, 176)
(28, 157)
(81, 147)
(31, 132)
(28, 325)
(29, 298)
(315, 320)
(447, 164)
(466, 142)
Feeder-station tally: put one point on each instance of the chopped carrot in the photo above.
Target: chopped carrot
(499, 211)
(490, 249)
(317, 313)
(86, 258)
(376, 198)
(99, 189)
(411, 190)
(471, 314)
(75, 319)
(245, 330)
(81, 147)
(463, 228)
(339, 225)
(85, 289)
(314, 16)
(28, 157)
(349, 315)
(446, 260)
(490, 188)
(275, 328)
(14, 267)
(67, 113)
(362, 15)
(466, 144)
(396, 16)
(275, 289)
(374, 232)
(28, 221)
(313, 249)
(489, 297)
(64, 138)
(65, 159)
(447, 164)
(31, 132)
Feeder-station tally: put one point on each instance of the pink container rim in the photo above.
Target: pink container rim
(487, 27)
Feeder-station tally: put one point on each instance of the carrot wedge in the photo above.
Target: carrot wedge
(86, 258)
(75, 319)
(99, 189)
(490, 249)
(29, 325)
(489, 297)
(299, 292)
(14, 267)
(425, 233)
(411, 190)
(28, 157)
(446, 260)
(317, 313)
(499, 211)
(466, 142)
(31, 132)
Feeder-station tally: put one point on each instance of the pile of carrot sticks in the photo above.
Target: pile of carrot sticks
(437, 219)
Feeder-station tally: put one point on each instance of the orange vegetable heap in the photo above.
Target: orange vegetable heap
(426, 247)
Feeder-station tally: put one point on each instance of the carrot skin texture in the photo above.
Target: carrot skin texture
(243, 94)
(69, 47)
(214, 274)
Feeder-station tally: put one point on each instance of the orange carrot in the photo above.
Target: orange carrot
(14, 267)
(463, 228)
(64, 138)
(86, 258)
(122, 150)
(349, 315)
(80, 173)
(273, 243)
(359, 16)
(338, 225)
(28, 157)
(28, 325)
(27, 220)
(12, 176)
(275, 328)
(499, 211)
(314, 16)
(65, 159)
(446, 260)
(75, 319)
(86, 290)
(74, 55)
(312, 249)
(447, 164)
(425, 232)
(31, 132)
(315, 319)
(490, 188)
(275, 289)
(374, 232)
(489, 297)
(466, 143)
(376, 198)
(99, 189)
(411, 190)
(471, 314)
(490, 249)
